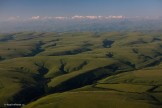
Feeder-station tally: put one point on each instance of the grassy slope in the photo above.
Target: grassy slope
(67, 61)
(129, 90)
(23, 73)
(95, 99)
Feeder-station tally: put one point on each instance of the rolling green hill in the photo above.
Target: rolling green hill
(81, 70)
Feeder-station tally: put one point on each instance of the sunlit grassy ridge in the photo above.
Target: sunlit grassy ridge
(105, 95)
(123, 65)
(135, 89)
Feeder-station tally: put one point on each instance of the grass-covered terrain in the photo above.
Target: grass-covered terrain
(81, 70)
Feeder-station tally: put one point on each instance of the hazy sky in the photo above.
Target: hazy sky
(29, 8)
